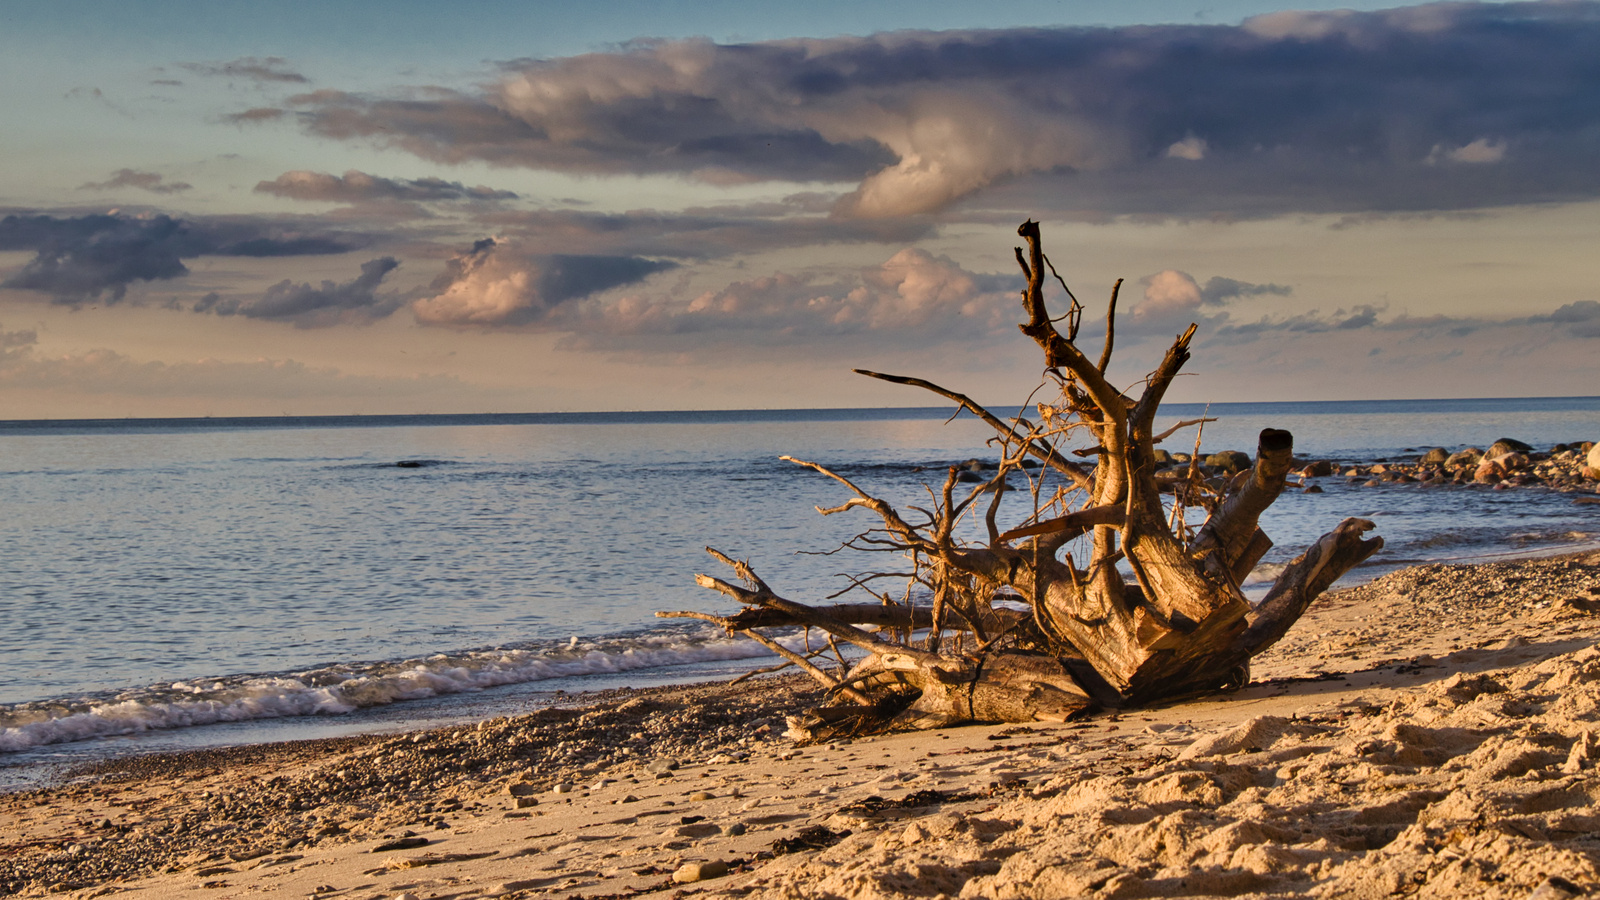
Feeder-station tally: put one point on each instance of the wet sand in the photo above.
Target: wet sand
(1433, 733)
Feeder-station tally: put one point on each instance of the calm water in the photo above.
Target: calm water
(176, 583)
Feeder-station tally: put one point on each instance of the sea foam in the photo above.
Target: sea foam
(341, 689)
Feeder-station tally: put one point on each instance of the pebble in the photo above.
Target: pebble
(734, 830)
(699, 796)
(562, 788)
(689, 873)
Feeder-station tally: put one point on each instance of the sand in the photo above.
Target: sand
(1434, 733)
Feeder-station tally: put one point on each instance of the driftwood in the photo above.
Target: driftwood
(1016, 627)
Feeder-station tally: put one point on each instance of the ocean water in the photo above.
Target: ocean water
(177, 583)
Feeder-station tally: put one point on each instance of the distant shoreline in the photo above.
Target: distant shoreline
(735, 416)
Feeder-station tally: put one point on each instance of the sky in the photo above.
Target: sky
(225, 208)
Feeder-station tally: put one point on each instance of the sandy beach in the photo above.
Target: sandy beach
(1431, 734)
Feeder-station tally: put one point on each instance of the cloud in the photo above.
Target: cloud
(1479, 152)
(498, 283)
(355, 302)
(15, 343)
(107, 372)
(82, 258)
(1579, 319)
(359, 187)
(1290, 112)
(255, 115)
(250, 68)
(1173, 299)
(147, 181)
(703, 233)
(912, 298)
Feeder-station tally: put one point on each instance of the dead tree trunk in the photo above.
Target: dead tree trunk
(1093, 636)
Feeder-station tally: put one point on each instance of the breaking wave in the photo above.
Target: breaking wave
(340, 689)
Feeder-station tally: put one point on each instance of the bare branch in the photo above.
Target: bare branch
(1045, 454)
(1111, 327)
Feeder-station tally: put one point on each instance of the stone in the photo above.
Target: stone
(699, 830)
(521, 789)
(1556, 888)
(1435, 457)
(689, 873)
(1509, 445)
(662, 767)
(1489, 472)
(1229, 461)
(734, 830)
(1593, 459)
(699, 796)
(524, 802)
(1464, 458)
(562, 788)
(1160, 457)
(1319, 469)
(405, 843)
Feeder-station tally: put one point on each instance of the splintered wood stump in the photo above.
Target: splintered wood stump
(1091, 635)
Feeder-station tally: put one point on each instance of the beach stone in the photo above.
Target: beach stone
(734, 830)
(1489, 472)
(1438, 456)
(521, 789)
(662, 767)
(1158, 456)
(1229, 461)
(1509, 445)
(1467, 457)
(699, 830)
(699, 796)
(524, 802)
(1593, 459)
(1556, 888)
(562, 788)
(1319, 469)
(689, 873)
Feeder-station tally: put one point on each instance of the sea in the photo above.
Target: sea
(174, 584)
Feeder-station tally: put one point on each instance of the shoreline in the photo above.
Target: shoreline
(1374, 713)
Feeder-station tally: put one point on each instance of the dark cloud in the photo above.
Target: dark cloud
(82, 258)
(1579, 319)
(352, 303)
(497, 283)
(250, 68)
(255, 115)
(359, 187)
(145, 181)
(1218, 290)
(1437, 107)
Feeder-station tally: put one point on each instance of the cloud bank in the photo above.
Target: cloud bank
(147, 181)
(1444, 106)
(78, 259)
(359, 187)
(355, 302)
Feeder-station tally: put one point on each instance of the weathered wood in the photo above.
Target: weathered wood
(1088, 636)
